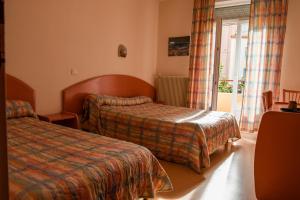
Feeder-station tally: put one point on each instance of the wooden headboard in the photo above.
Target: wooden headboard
(18, 90)
(114, 85)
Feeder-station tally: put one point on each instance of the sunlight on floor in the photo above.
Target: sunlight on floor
(229, 177)
(218, 181)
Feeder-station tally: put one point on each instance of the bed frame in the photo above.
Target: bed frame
(15, 89)
(18, 90)
(114, 85)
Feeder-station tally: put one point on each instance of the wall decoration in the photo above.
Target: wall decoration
(122, 51)
(179, 46)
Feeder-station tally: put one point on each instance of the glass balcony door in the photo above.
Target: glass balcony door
(232, 65)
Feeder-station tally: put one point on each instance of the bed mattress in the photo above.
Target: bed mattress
(175, 134)
(48, 161)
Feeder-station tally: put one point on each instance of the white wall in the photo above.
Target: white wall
(290, 75)
(45, 39)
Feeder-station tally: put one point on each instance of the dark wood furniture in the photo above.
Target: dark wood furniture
(278, 105)
(15, 89)
(4, 191)
(65, 119)
(3, 138)
(18, 90)
(277, 162)
(114, 85)
(267, 98)
(291, 95)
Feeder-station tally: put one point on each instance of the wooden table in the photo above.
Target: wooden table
(64, 118)
(277, 105)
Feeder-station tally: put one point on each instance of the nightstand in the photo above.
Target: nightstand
(64, 118)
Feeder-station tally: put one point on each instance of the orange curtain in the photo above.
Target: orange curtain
(264, 57)
(201, 57)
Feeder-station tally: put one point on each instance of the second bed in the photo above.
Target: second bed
(181, 135)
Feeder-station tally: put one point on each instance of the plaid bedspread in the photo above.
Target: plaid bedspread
(48, 161)
(175, 134)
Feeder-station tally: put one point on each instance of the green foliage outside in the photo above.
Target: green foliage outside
(225, 86)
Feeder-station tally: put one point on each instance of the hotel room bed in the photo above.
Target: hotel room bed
(175, 134)
(48, 161)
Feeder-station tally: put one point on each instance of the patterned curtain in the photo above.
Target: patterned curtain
(201, 57)
(265, 46)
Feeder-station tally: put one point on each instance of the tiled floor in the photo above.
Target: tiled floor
(229, 177)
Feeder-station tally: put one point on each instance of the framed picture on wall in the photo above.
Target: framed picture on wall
(179, 46)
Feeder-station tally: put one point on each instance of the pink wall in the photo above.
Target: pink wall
(175, 19)
(46, 39)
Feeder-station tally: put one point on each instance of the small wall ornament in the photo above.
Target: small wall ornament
(122, 51)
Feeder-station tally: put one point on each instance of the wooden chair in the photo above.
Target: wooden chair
(267, 98)
(291, 95)
(277, 160)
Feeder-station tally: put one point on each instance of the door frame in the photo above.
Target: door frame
(217, 56)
